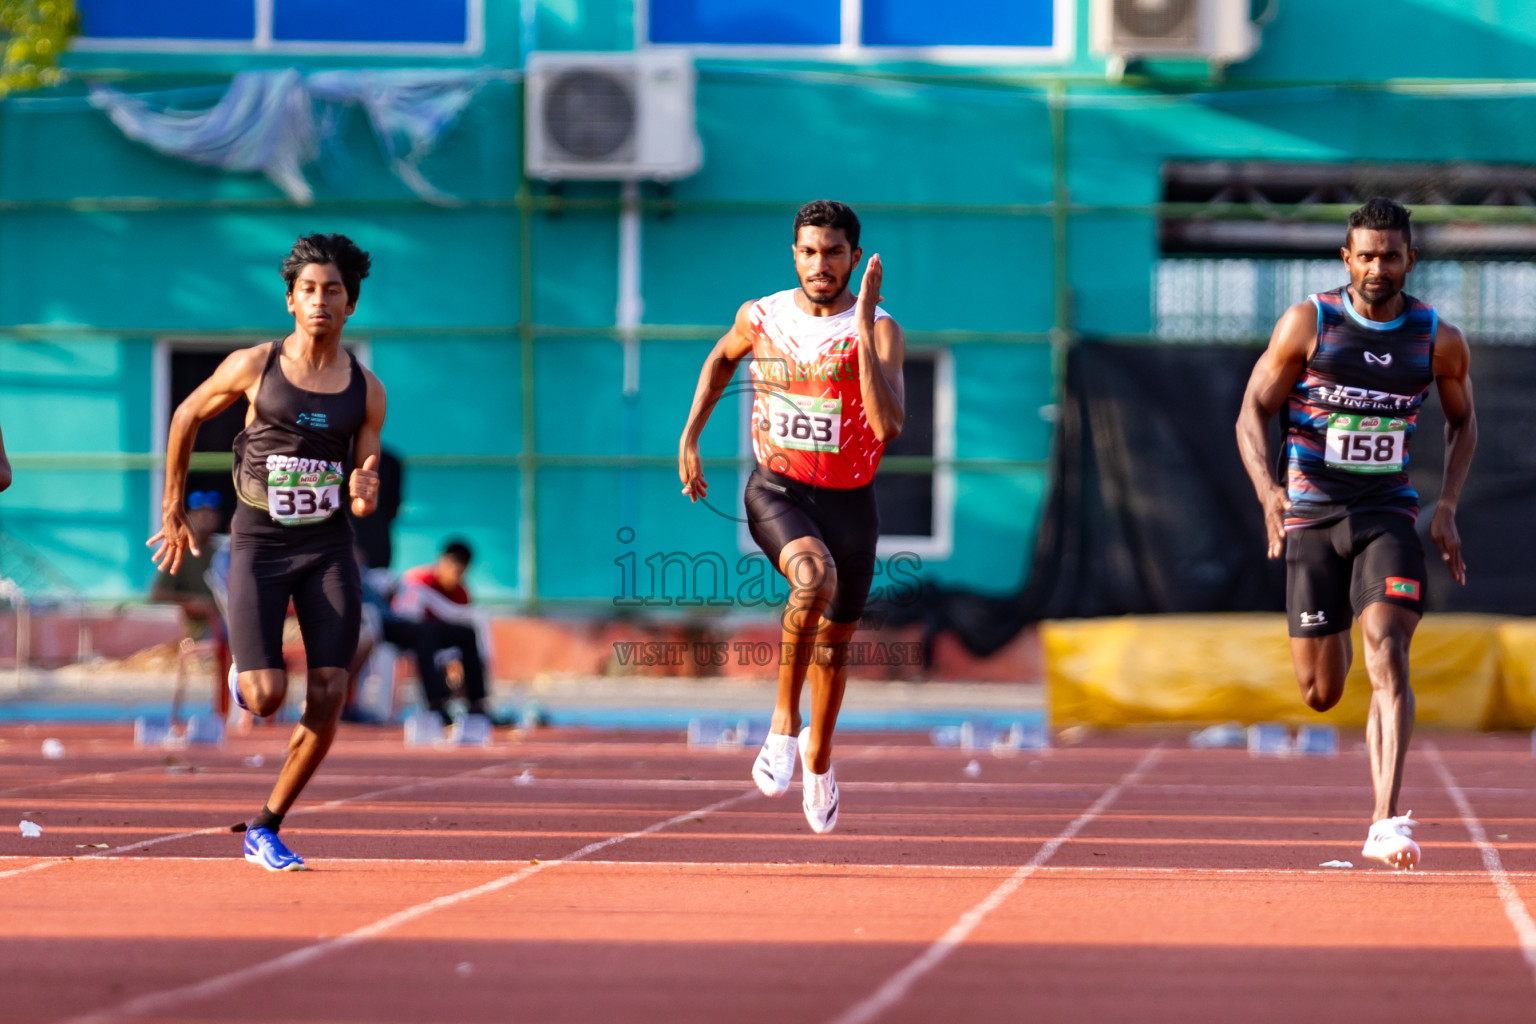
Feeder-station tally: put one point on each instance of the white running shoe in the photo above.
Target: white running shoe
(1390, 842)
(775, 765)
(820, 800)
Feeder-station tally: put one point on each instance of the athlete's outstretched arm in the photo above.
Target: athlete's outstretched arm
(714, 378)
(364, 483)
(882, 350)
(5, 466)
(1453, 360)
(1278, 368)
(237, 375)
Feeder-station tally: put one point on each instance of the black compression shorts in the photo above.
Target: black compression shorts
(312, 565)
(1335, 569)
(781, 509)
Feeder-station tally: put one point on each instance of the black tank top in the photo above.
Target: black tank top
(290, 461)
(1353, 411)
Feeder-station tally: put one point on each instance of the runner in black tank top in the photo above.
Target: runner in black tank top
(1351, 368)
(313, 409)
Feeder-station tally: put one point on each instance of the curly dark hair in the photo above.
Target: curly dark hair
(828, 213)
(353, 263)
(1381, 214)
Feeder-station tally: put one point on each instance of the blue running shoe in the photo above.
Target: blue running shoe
(234, 689)
(263, 847)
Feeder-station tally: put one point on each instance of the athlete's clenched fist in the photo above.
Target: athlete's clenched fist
(364, 486)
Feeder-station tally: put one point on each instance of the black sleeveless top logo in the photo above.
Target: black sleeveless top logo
(1352, 414)
(290, 461)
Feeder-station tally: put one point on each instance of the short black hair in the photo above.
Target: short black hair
(829, 213)
(353, 263)
(1381, 214)
(458, 550)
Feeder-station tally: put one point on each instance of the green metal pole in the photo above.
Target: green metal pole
(528, 520)
(1061, 322)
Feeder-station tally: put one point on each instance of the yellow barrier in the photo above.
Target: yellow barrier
(1515, 704)
(1468, 672)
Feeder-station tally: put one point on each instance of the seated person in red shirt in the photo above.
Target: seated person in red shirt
(436, 622)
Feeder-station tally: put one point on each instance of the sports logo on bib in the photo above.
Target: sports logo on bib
(302, 491)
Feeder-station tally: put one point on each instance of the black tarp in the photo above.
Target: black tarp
(1150, 510)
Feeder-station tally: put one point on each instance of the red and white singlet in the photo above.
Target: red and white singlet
(808, 418)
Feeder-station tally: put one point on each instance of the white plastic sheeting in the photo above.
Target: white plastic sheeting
(267, 121)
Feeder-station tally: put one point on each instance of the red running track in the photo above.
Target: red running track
(627, 878)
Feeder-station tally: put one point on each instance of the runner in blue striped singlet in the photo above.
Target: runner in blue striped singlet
(1350, 369)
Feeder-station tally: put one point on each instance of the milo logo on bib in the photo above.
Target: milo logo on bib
(302, 491)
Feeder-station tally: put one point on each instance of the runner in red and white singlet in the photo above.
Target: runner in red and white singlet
(808, 417)
(827, 397)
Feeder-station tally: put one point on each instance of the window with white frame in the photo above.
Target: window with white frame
(1025, 28)
(425, 27)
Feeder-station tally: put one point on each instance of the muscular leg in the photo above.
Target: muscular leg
(264, 690)
(829, 676)
(807, 565)
(1321, 664)
(312, 737)
(1386, 632)
(327, 601)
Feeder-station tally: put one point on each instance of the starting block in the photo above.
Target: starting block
(726, 735)
(201, 730)
(1317, 741)
(1271, 739)
(1022, 734)
(1215, 737)
(153, 732)
(471, 731)
(424, 729)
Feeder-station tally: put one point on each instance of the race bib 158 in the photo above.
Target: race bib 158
(1366, 444)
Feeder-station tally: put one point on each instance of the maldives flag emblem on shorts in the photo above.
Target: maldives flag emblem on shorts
(1397, 586)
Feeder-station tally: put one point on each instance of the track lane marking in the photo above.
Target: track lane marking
(83, 777)
(1358, 874)
(898, 984)
(214, 830)
(1514, 906)
(168, 998)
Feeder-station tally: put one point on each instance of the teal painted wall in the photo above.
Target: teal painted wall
(107, 247)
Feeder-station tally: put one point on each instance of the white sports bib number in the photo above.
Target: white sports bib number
(1366, 444)
(298, 499)
(806, 424)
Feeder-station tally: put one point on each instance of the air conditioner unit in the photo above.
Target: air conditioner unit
(610, 117)
(1216, 30)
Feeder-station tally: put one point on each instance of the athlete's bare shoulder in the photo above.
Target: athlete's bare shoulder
(743, 324)
(1295, 332)
(241, 369)
(375, 385)
(1453, 355)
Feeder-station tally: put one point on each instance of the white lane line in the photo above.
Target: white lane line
(1514, 906)
(1372, 874)
(310, 809)
(1366, 874)
(897, 985)
(86, 777)
(160, 1001)
(866, 785)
